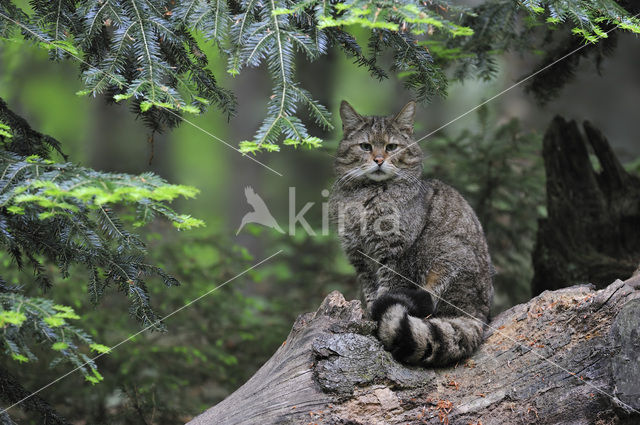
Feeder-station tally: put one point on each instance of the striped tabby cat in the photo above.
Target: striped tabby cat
(417, 246)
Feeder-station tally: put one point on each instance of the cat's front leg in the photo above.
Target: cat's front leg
(368, 288)
(382, 259)
(386, 233)
(388, 277)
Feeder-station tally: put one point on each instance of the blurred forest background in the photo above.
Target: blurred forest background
(216, 344)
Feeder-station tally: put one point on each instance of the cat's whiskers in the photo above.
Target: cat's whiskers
(389, 168)
(344, 178)
(364, 170)
(351, 175)
(405, 175)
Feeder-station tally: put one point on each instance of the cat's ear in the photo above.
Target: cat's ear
(404, 120)
(350, 118)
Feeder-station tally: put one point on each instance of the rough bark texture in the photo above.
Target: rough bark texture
(592, 233)
(569, 356)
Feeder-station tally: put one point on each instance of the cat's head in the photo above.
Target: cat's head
(377, 148)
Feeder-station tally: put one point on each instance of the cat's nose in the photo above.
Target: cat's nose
(378, 160)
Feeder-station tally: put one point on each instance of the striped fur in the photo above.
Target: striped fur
(417, 246)
(424, 341)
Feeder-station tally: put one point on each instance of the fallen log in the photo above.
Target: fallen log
(570, 356)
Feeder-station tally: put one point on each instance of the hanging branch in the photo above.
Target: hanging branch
(147, 50)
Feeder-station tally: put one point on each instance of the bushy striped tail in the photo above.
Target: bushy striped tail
(414, 338)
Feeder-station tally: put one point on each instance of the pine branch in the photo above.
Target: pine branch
(11, 391)
(146, 50)
(64, 215)
(23, 139)
(138, 50)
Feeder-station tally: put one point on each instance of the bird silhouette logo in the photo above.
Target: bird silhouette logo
(260, 213)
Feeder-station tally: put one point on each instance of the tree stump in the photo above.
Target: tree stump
(569, 356)
(592, 232)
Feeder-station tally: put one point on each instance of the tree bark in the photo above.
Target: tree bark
(569, 356)
(592, 232)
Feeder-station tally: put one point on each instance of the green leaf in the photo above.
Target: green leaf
(61, 44)
(11, 317)
(185, 222)
(282, 11)
(190, 109)
(5, 131)
(145, 106)
(312, 142)
(14, 209)
(119, 97)
(255, 147)
(65, 312)
(202, 100)
(59, 346)
(54, 321)
(100, 348)
(19, 357)
(92, 379)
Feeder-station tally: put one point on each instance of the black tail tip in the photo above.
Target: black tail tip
(384, 302)
(417, 301)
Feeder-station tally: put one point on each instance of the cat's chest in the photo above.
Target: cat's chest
(370, 216)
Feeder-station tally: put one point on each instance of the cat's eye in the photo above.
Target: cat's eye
(391, 147)
(366, 147)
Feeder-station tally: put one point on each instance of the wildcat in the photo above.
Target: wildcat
(417, 246)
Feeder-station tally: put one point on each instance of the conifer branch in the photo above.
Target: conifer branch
(61, 214)
(145, 51)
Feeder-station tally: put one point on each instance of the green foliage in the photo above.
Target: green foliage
(587, 17)
(59, 214)
(505, 188)
(213, 346)
(567, 30)
(395, 16)
(28, 320)
(129, 50)
(146, 51)
(5, 131)
(274, 38)
(63, 190)
(72, 225)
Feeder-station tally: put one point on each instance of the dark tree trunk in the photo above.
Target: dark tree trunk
(565, 357)
(592, 232)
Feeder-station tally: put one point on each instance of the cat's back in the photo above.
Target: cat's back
(449, 213)
(453, 234)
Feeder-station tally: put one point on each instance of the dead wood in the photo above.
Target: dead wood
(592, 231)
(569, 356)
